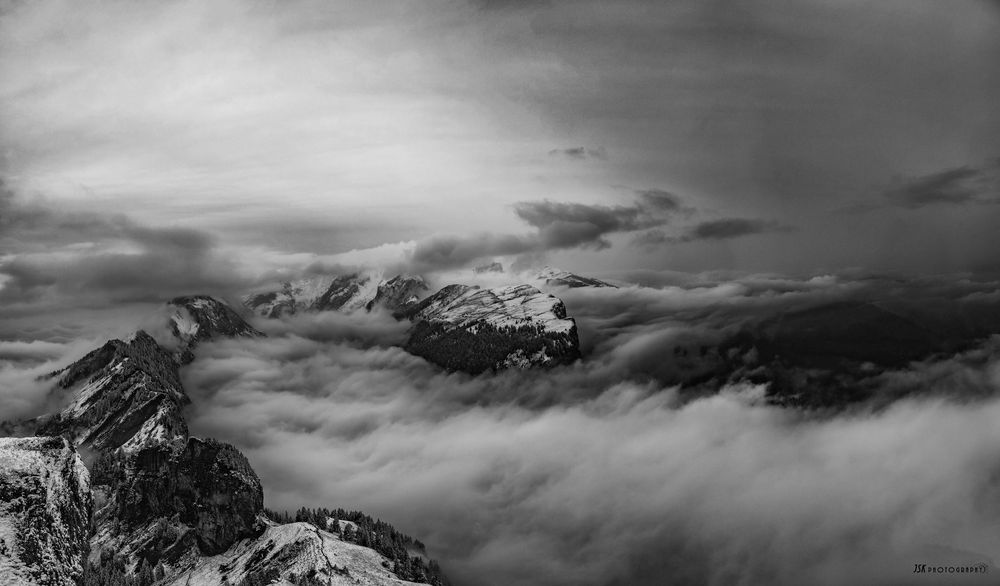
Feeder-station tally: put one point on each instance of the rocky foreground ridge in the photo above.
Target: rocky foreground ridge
(45, 508)
(157, 506)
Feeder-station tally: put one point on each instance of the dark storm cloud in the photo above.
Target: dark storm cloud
(558, 225)
(731, 228)
(959, 186)
(723, 229)
(660, 199)
(566, 225)
(598, 473)
(454, 251)
(56, 255)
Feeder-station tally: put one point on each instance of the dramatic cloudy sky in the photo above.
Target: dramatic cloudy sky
(791, 136)
(730, 159)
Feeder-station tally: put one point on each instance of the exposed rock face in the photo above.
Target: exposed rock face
(125, 394)
(472, 330)
(45, 506)
(398, 293)
(160, 499)
(557, 278)
(162, 495)
(164, 503)
(292, 553)
(198, 318)
(353, 292)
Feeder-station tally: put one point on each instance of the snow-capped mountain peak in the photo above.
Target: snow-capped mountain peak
(363, 290)
(197, 318)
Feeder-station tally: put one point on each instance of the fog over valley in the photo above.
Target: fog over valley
(483, 293)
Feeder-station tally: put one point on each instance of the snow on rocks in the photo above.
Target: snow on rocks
(285, 553)
(45, 506)
(514, 306)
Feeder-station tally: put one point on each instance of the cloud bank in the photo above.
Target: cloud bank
(598, 473)
(74, 258)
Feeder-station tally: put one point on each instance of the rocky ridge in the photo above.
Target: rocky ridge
(125, 395)
(459, 327)
(293, 553)
(198, 318)
(164, 503)
(472, 330)
(356, 291)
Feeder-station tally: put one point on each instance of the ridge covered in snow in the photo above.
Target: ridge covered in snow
(288, 554)
(165, 504)
(197, 318)
(512, 306)
(473, 330)
(125, 395)
(347, 293)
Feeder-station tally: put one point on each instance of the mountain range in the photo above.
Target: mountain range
(459, 327)
(112, 489)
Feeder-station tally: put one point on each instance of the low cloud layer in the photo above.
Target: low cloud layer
(597, 473)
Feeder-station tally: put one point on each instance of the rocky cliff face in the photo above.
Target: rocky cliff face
(166, 507)
(164, 504)
(126, 394)
(199, 318)
(398, 293)
(473, 330)
(45, 506)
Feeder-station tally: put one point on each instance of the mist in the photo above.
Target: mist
(597, 473)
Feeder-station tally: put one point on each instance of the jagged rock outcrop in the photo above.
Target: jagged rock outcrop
(45, 506)
(398, 293)
(473, 330)
(126, 394)
(165, 506)
(198, 318)
(356, 291)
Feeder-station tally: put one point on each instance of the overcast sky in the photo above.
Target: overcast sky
(799, 136)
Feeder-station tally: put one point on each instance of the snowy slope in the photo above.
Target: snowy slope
(473, 330)
(347, 293)
(197, 318)
(513, 306)
(284, 553)
(126, 394)
(45, 508)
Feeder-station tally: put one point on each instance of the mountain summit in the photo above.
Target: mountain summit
(198, 318)
(473, 330)
(153, 504)
(362, 290)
